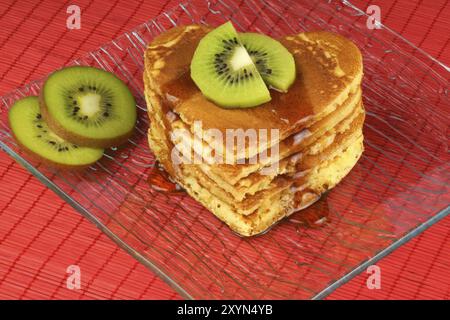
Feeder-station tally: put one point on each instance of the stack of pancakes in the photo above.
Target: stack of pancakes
(318, 125)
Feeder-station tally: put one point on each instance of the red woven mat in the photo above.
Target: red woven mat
(40, 235)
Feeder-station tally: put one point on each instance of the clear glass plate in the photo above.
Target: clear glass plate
(398, 189)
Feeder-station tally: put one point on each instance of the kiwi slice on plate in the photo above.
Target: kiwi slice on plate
(88, 106)
(35, 137)
(274, 62)
(224, 71)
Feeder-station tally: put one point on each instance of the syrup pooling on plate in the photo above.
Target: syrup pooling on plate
(160, 181)
(315, 215)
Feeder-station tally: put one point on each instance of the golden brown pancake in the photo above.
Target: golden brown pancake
(325, 79)
(281, 204)
(320, 122)
(349, 127)
(266, 184)
(309, 137)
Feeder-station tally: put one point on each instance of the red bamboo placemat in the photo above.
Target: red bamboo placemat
(40, 235)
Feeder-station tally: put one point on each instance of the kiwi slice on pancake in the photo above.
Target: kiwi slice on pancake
(274, 62)
(88, 106)
(35, 137)
(225, 73)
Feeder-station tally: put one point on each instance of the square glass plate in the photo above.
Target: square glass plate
(398, 188)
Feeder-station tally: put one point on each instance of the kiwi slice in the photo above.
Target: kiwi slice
(88, 106)
(274, 62)
(224, 71)
(35, 137)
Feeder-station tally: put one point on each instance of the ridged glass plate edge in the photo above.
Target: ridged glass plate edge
(92, 218)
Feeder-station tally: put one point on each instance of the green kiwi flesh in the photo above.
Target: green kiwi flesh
(225, 73)
(88, 106)
(33, 134)
(274, 62)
